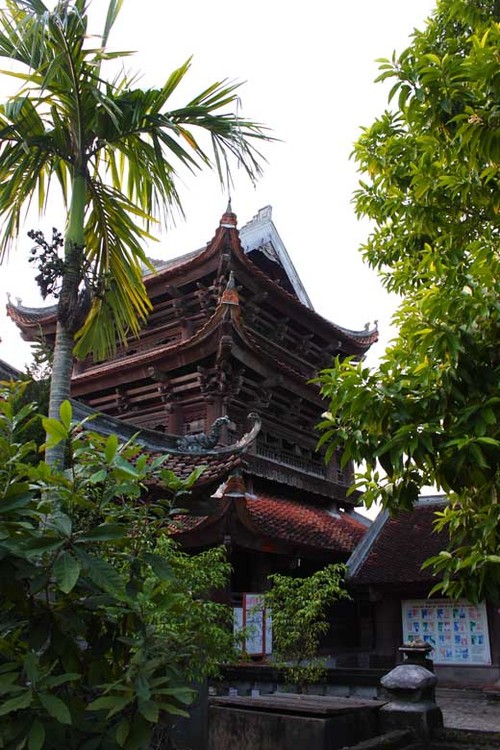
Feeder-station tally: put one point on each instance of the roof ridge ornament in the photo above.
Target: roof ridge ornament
(158, 442)
(200, 442)
(229, 219)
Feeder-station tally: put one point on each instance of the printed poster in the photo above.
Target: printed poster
(457, 631)
(256, 623)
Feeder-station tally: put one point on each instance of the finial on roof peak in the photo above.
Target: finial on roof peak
(229, 218)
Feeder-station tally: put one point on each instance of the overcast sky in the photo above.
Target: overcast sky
(308, 70)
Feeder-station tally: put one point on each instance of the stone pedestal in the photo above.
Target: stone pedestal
(409, 689)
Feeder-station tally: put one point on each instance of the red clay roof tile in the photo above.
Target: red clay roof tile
(216, 466)
(291, 522)
(404, 542)
(299, 523)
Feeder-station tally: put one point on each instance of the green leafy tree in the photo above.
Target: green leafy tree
(429, 414)
(114, 150)
(299, 611)
(104, 623)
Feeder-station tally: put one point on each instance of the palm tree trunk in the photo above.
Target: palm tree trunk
(67, 311)
(60, 386)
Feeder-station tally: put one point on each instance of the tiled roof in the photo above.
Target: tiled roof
(180, 458)
(183, 523)
(299, 523)
(217, 467)
(28, 317)
(399, 547)
(287, 521)
(363, 339)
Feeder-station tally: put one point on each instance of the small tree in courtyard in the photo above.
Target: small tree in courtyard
(299, 611)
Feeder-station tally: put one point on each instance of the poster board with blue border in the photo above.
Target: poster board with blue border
(456, 630)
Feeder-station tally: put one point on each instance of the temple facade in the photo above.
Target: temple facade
(233, 341)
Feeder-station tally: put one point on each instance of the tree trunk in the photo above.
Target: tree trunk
(60, 386)
(67, 310)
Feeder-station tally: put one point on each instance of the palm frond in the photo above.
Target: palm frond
(114, 248)
(114, 8)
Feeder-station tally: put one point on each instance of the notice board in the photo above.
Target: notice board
(255, 621)
(456, 630)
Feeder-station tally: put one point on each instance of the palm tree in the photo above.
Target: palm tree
(114, 150)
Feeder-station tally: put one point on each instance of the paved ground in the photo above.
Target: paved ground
(468, 710)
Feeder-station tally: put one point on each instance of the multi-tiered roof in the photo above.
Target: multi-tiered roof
(232, 331)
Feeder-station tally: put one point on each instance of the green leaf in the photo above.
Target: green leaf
(55, 707)
(122, 731)
(30, 665)
(159, 565)
(55, 430)
(16, 498)
(66, 413)
(182, 694)
(111, 448)
(114, 704)
(125, 467)
(149, 710)
(66, 571)
(61, 679)
(36, 736)
(104, 575)
(98, 476)
(41, 545)
(105, 532)
(174, 710)
(61, 522)
(17, 703)
(8, 681)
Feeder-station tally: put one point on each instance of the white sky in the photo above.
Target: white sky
(309, 71)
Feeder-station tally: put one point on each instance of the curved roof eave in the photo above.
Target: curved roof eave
(360, 339)
(226, 313)
(158, 442)
(27, 317)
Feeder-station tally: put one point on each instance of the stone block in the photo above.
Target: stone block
(423, 718)
(301, 722)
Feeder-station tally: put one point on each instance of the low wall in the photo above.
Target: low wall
(341, 683)
(456, 675)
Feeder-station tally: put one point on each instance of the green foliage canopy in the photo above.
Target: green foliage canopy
(429, 414)
(104, 623)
